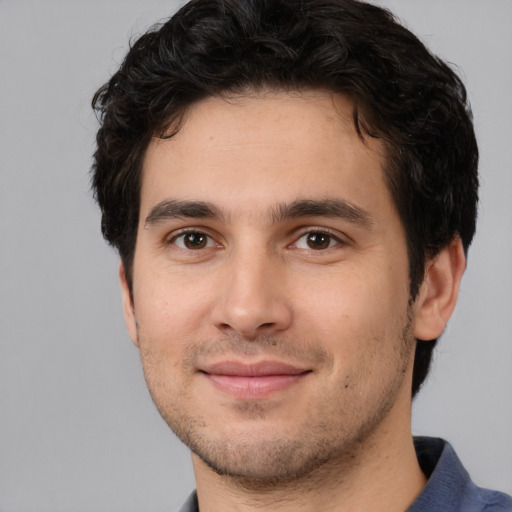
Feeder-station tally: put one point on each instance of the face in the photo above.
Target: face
(270, 285)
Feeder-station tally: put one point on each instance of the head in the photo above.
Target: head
(401, 95)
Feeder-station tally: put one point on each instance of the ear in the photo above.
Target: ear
(130, 317)
(439, 291)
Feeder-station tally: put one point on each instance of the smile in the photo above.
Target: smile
(253, 381)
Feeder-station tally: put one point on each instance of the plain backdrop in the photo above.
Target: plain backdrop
(78, 431)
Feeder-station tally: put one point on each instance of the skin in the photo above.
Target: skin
(234, 266)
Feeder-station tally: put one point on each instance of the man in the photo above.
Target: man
(292, 188)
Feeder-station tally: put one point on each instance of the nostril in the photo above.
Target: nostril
(251, 314)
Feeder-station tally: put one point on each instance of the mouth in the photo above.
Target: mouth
(253, 381)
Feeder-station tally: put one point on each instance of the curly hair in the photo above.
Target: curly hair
(402, 94)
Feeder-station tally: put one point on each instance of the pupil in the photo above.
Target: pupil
(318, 240)
(195, 240)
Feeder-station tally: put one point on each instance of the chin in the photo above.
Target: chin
(266, 462)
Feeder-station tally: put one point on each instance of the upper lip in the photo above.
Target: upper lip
(259, 369)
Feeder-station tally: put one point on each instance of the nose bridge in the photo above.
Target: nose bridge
(253, 294)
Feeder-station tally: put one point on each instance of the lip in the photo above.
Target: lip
(253, 381)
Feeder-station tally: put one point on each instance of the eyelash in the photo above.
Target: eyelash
(332, 237)
(182, 234)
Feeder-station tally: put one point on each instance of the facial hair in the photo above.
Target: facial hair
(335, 422)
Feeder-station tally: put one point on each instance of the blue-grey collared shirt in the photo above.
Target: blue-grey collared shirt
(449, 488)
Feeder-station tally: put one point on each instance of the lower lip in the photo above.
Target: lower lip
(242, 387)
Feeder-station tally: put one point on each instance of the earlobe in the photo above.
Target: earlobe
(128, 306)
(439, 291)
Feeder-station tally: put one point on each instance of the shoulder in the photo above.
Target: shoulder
(449, 487)
(191, 505)
(486, 500)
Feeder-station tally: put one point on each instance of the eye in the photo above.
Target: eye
(193, 241)
(317, 241)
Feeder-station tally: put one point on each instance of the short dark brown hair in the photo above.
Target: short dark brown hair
(402, 95)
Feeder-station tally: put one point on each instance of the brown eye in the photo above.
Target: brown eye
(318, 240)
(193, 240)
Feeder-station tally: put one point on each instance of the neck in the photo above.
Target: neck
(382, 469)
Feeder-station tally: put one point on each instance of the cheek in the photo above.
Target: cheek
(359, 316)
(170, 310)
(352, 298)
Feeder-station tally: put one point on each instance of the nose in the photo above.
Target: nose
(252, 299)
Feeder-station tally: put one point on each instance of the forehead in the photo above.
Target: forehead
(254, 151)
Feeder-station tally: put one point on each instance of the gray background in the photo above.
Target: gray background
(78, 431)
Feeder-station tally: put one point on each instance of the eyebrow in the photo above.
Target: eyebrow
(330, 208)
(174, 209)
